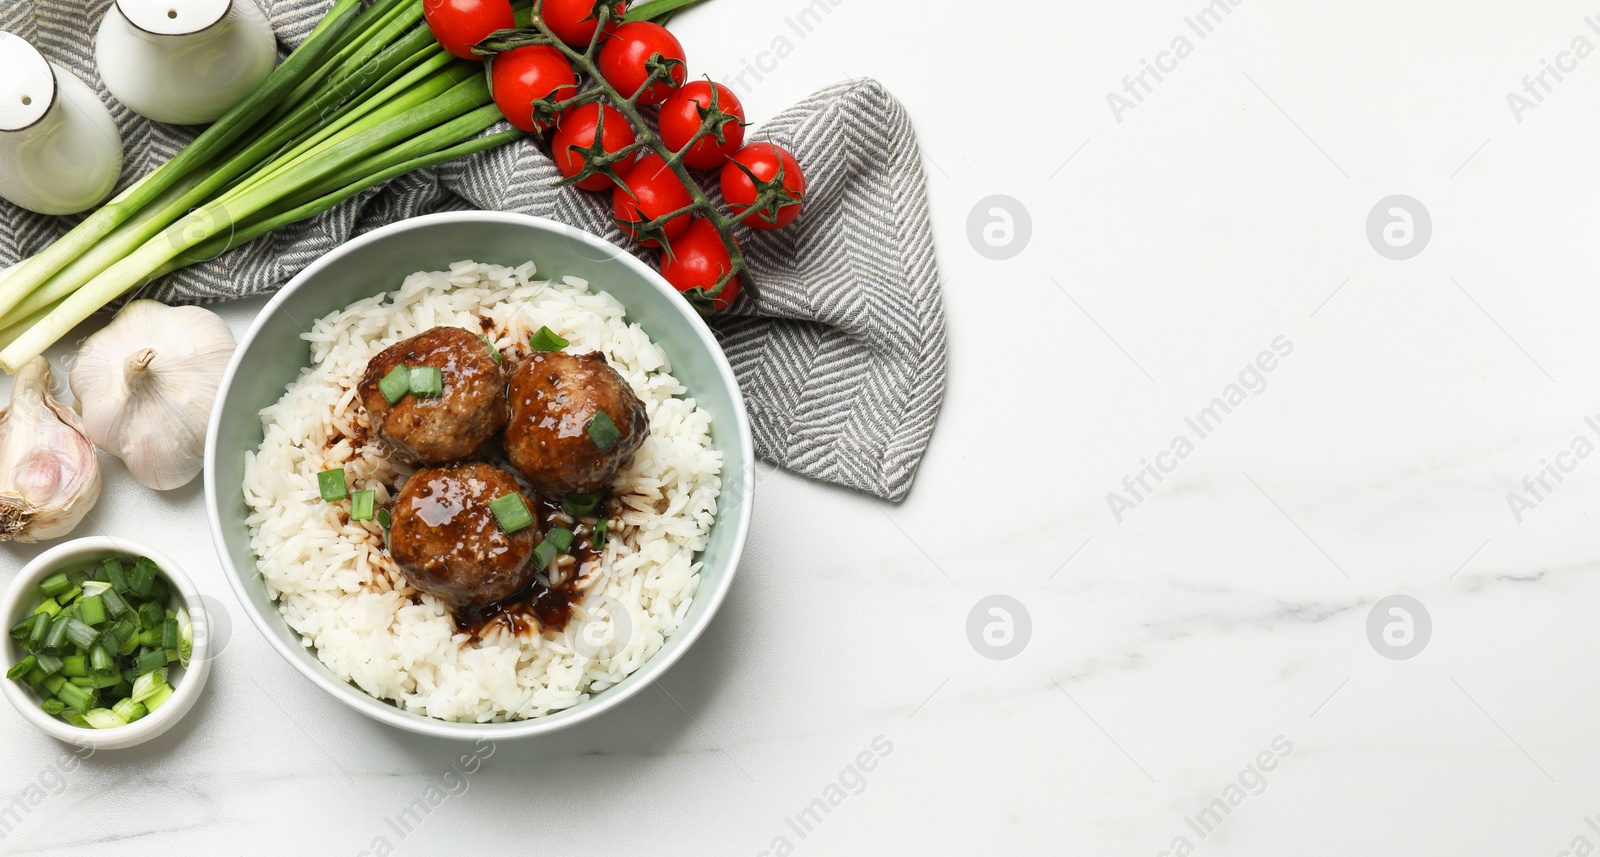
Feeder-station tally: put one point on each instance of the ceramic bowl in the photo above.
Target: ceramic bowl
(272, 354)
(23, 596)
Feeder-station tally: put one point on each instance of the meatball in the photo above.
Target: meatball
(452, 425)
(448, 543)
(553, 397)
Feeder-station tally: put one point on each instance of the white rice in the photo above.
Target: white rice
(334, 582)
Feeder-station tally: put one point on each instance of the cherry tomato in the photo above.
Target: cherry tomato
(699, 260)
(762, 159)
(460, 24)
(655, 192)
(577, 129)
(522, 76)
(680, 119)
(625, 57)
(573, 21)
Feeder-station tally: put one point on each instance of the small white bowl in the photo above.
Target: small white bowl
(23, 596)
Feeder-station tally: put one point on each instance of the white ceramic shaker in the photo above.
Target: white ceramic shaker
(184, 62)
(60, 152)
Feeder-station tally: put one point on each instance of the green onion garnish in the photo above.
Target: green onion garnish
(79, 634)
(580, 504)
(114, 574)
(426, 381)
(331, 484)
(543, 554)
(383, 518)
(53, 707)
(561, 537)
(48, 606)
(92, 609)
(546, 340)
(493, 351)
(75, 697)
(104, 718)
(396, 384)
(22, 668)
(55, 584)
(361, 505)
(512, 512)
(603, 431)
(598, 540)
(128, 710)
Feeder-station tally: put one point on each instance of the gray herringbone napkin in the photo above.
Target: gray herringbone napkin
(842, 362)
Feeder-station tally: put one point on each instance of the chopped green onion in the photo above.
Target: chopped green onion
(75, 719)
(53, 683)
(546, 339)
(75, 697)
(160, 591)
(603, 431)
(56, 639)
(331, 484)
(53, 707)
(101, 662)
(80, 634)
(55, 584)
(151, 615)
(70, 595)
(37, 634)
(543, 553)
(150, 659)
(35, 678)
(115, 574)
(94, 587)
(74, 666)
(512, 512)
(22, 668)
(147, 684)
(493, 351)
(21, 630)
(561, 537)
(92, 609)
(159, 698)
(48, 606)
(111, 679)
(580, 504)
(426, 381)
(140, 581)
(115, 606)
(361, 503)
(598, 540)
(169, 635)
(383, 518)
(396, 384)
(50, 664)
(128, 710)
(104, 718)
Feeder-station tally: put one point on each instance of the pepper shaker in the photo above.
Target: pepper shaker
(60, 152)
(185, 62)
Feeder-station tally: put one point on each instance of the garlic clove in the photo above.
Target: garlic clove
(146, 383)
(49, 476)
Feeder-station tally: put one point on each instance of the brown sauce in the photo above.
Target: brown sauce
(543, 605)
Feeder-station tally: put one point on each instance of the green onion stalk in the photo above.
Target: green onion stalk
(368, 97)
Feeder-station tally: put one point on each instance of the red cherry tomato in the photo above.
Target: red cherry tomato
(650, 190)
(762, 159)
(574, 22)
(625, 57)
(699, 260)
(460, 24)
(680, 119)
(577, 128)
(522, 76)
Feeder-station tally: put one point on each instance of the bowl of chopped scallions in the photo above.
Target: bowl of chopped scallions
(106, 645)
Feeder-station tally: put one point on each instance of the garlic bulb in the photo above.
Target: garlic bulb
(145, 384)
(49, 477)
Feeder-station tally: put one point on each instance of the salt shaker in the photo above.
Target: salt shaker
(185, 62)
(60, 152)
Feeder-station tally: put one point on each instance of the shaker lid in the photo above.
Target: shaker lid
(174, 17)
(27, 84)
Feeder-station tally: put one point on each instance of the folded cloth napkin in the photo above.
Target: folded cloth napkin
(842, 361)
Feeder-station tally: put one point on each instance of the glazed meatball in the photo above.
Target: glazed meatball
(452, 425)
(448, 543)
(554, 396)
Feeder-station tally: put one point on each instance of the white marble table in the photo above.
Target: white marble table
(1199, 673)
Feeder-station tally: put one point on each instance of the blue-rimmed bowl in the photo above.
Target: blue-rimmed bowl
(272, 354)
